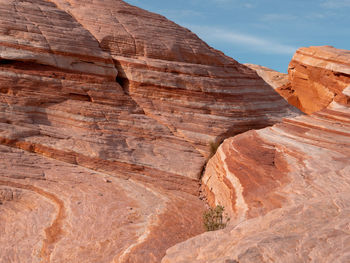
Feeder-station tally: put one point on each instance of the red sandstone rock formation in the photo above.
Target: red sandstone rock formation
(126, 105)
(286, 188)
(178, 80)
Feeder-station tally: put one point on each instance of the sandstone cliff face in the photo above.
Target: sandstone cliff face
(125, 104)
(286, 187)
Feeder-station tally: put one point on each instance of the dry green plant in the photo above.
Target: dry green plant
(214, 218)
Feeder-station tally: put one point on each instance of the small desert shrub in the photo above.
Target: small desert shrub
(214, 219)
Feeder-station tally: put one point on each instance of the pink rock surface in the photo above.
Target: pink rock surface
(52, 211)
(286, 189)
(37, 31)
(86, 84)
(288, 199)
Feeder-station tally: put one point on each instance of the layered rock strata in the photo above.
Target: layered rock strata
(280, 82)
(133, 97)
(52, 211)
(197, 92)
(288, 199)
(76, 116)
(274, 78)
(286, 189)
(163, 104)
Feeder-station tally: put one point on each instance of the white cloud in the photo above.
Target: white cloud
(177, 14)
(317, 16)
(215, 34)
(248, 5)
(278, 17)
(336, 3)
(292, 18)
(241, 3)
(225, 3)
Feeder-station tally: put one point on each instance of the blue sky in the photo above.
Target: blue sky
(264, 32)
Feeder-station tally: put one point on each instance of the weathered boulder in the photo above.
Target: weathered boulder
(286, 187)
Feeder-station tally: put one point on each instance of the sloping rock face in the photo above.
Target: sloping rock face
(126, 105)
(280, 82)
(274, 78)
(286, 189)
(70, 113)
(177, 79)
(319, 75)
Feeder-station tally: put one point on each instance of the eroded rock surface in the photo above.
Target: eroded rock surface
(279, 81)
(197, 92)
(52, 211)
(137, 99)
(274, 78)
(288, 198)
(286, 188)
(319, 75)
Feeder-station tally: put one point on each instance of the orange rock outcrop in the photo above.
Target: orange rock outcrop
(286, 187)
(318, 76)
(107, 115)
